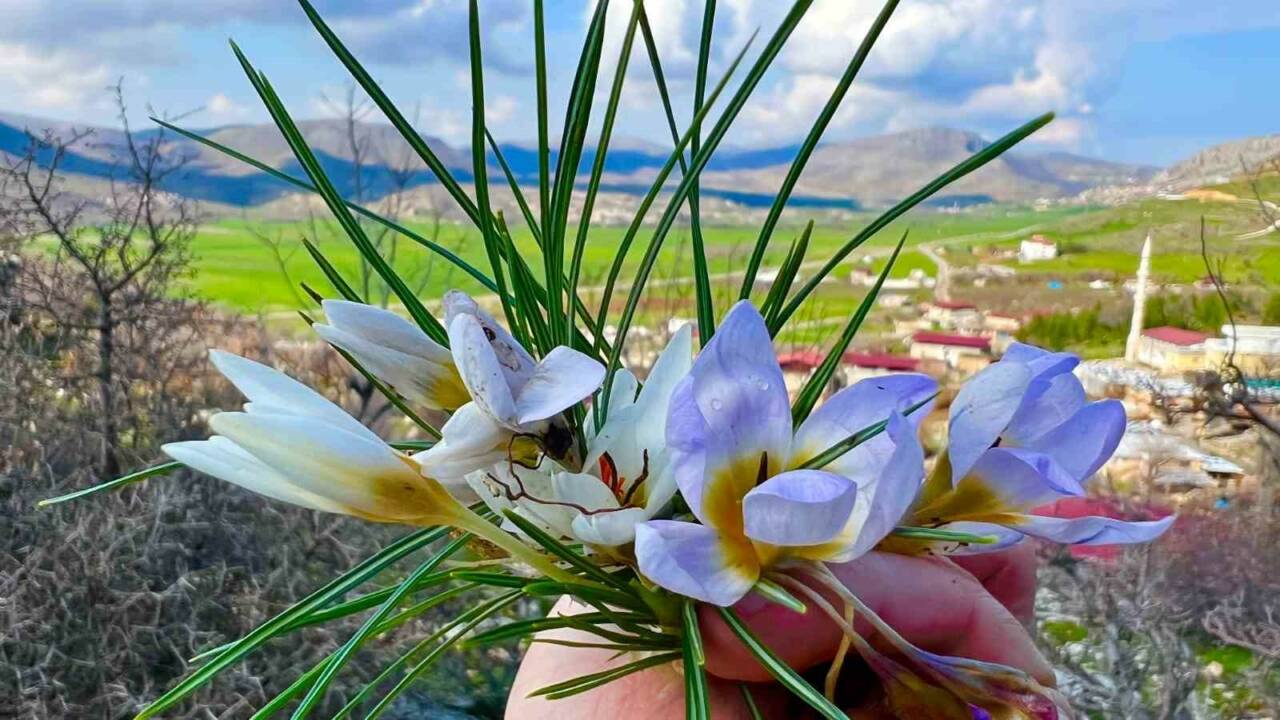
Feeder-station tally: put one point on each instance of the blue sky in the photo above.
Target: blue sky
(1135, 80)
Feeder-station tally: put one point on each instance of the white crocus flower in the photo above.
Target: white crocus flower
(292, 444)
(396, 352)
(626, 477)
(516, 402)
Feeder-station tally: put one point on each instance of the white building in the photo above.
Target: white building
(1037, 247)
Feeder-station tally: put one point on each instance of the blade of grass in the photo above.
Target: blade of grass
(455, 633)
(779, 669)
(540, 72)
(534, 229)
(557, 548)
(647, 202)
(332, 590)
(302, 152)
(826, 457)
(718, 131)
(479, 169)
(116, 484)
(750, 702)
(810, 143)
(702, 280)
(343, 654)
(331, 273)
(973, 162)
(787, 273)
(388, 108)
(307, 679)
(435, 247)
(584, 683)
(817, 383)
(602, 149)
(697, 703)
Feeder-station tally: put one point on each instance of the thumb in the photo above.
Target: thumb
(932, 603)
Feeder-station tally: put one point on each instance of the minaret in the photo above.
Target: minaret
(1139, 303)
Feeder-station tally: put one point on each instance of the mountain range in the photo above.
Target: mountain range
(865, 172)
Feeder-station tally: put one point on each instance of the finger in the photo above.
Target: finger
(943, 609)
(652, 693)
(932, 603)
(1010, 577)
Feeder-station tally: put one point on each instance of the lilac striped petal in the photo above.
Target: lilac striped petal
(855, 408)
(800, 507)
(563, 378)
(696, 561)
(893, 489)
(1020, 479)
(1093, 530)
(1086, 441)
(1005, 538)
(1062, 396)
(1043, 364)
(982, 410)
(730, 413)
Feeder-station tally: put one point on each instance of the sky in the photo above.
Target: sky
(1144, 81)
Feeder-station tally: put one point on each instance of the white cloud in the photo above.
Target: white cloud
(221, 108)
(55, 81)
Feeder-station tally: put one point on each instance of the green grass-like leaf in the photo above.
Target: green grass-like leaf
(817, 383)
(697, 701)
(964, 167)
(339, 658)
(334, 589)
(584, 683)
(810, 144)
(781, 672)
(122, 481)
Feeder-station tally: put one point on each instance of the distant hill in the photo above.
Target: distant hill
(866, 172)
(1220, 163)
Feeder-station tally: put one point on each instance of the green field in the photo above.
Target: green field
(236, 269)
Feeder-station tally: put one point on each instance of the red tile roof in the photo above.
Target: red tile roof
(953, 305)
(935, 338)
(800, 360)
(882, 361)
(1175, 336)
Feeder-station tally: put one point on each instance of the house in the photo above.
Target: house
(1037, 247)
(1256, 349)
(860, 365)
(953, 315)
(1172, 349)
(964, 352)
(998, 322)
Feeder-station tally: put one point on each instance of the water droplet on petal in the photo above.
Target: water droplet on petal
(716, 404)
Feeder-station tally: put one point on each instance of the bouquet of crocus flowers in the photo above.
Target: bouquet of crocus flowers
(641, 498)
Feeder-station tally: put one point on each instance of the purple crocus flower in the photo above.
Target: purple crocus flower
(736, 461)
(1022, 435)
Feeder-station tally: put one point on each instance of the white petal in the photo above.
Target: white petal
(516, 363)
(482, 371)
(470, 440)
(270, 388)
(227, 461)
(609, 528)
(369, 477)
(384, 328)
(564, 377)
(418, 379)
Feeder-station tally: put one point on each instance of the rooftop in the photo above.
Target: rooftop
(800, 360)
(1175, 336)
(882, 361)
(953, 305)
(936, 338)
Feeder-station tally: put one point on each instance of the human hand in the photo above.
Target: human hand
(973, 607)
